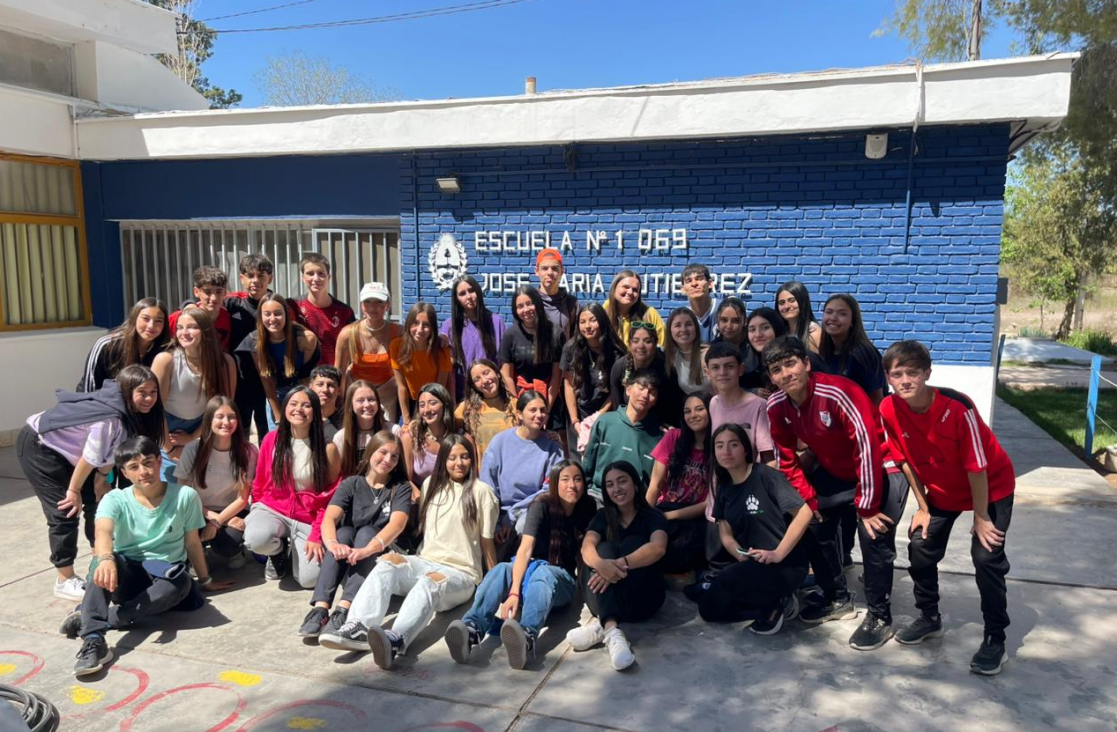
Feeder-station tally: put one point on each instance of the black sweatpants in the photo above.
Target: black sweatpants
(635, 598)
(686, 543)
(749, 590)
(990, 567)
(252, 404)
(49, 474)
(333, 573)
(137, 594)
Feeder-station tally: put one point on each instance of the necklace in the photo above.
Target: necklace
(373, 331)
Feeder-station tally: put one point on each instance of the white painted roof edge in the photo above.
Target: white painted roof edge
(1035, 89)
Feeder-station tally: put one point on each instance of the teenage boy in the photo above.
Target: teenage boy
(560, 305)
(954, 464)
(210, 287)
(731, 403)
(325, 381)
(145, 534)
(697, 286)
(838, 423)
(324, 314)
(628, 434)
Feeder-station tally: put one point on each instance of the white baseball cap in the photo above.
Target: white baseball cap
(375, 291)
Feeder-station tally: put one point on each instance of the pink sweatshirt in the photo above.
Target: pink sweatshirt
(305, 506)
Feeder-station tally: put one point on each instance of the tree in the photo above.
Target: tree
(1058, 230)
(195, 45)
(295, 79)
(950, 30)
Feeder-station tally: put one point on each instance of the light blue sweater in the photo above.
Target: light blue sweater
(517, 469)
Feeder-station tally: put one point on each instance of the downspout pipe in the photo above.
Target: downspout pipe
(911, 150)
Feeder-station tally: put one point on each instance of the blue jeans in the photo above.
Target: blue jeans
(547, 587)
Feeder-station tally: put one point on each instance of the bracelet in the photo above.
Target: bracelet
(203, 581)
(331, 542)
(625, 560)
(110, 557)
(514, 594)
(383, 546)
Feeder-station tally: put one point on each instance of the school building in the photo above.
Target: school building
(885, 182)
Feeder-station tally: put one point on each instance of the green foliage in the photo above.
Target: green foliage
(1098, 341)
(1062, 413)
(1031, 331)
(195, 46)
(937, 29)
(295, 79)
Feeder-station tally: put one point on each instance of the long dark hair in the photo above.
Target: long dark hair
(584, 357)
(440, 481)
(798, 291)
(688, 441)
(457, 321)
(283, 457)
(475, 401)
(377, 441)
(639, 499)
(630, 366)
(779, 327)
(856, 345)
(151, 424)
(721, 475)
(352, 428)
(408, 347)
(638, 309)
(544, 329)
(125, 342)
(418, 427)
(238, 454)
(561, 540)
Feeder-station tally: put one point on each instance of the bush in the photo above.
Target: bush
(1098, 341)
(1031, 331)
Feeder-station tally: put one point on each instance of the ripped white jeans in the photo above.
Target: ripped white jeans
(423, 596)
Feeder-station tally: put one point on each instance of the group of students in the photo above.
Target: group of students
(582, 448)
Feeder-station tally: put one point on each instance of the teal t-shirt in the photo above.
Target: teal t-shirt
(141, 533)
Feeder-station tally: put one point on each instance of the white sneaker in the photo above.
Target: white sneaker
(620, 652)
(72, 588)
(237, 561)
(587, 636)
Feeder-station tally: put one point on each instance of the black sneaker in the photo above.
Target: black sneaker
(772, 623)
(820, 611)
(519, 643)
(695, 591)
(337, 619)
(71, 625)
(922, 629)
(92, 656)
(352, 636)
(276, 567)
(385, 646)
(990, 658)
(461, 638)
(314, 622)
(873, 633)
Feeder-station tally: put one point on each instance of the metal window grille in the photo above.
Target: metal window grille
(159, 257)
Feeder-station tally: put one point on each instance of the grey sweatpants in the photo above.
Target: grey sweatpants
(264, 532)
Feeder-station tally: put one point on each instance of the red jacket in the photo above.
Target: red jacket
(838, 422)
(943, 445)
(305, 506)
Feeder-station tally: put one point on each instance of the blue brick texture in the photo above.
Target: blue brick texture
(758, 212)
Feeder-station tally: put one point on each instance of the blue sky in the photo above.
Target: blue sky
(565, 43)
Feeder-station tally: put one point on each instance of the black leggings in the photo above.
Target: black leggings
(747, 590)
(635, 598)
(349, 576)
(49, 474)
(686, 542)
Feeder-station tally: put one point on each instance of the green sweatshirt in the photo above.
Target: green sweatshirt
(615, 438)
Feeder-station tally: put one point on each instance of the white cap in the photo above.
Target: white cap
(375, 291)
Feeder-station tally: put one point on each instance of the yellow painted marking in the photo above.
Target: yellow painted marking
(305, 723)
(82, 695)
(240, 678)
(7, 668)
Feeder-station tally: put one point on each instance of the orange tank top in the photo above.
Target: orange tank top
(375, 368)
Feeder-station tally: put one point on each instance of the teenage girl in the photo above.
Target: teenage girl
(621, 581)
(295, 479)
(366, 515)
(194, 371)
(845, 348)
(141, 337)
(363, 418)
(420, 356)
(587, 363)
(644, 354)
(731, 324)
(66, 453)
(362, 350)
(220, 466)
(685, 351)
(764, 326)
(422, 437)
(487, 409)
(794, 305)
(532, 348)
(473, 331)
(625, 306)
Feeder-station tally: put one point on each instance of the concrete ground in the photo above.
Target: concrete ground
(238, 665)
(1027, 378)
(1039, 350)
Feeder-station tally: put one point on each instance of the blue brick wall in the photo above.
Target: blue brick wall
(777, 208)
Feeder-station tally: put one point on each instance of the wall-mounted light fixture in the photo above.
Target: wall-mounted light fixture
(450, 184)
(876, 146)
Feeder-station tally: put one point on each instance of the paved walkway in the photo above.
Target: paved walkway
(237, 665)
(1038, 350)
(1059, 377)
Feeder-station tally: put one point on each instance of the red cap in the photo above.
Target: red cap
(549, 252)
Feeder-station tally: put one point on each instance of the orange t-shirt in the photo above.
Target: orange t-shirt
(422, 370)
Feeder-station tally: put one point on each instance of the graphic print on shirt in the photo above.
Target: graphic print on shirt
(752, 504)
(825, 417)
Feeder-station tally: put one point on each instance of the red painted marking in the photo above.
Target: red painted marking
(39, 663)
(126, 725)
(467, 726)
(143, 680)
(357, 713)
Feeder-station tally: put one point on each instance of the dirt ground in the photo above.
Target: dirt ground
(1100, 312)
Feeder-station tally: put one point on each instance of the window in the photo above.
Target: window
(34, 63)
(44, 272)
(159, 257)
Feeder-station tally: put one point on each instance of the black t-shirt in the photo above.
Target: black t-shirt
(537, 524)
(863, 366)
(760, 510)
(591, 397)
(331, 426)
(517, 347)
(364, 506)
(644, 524)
